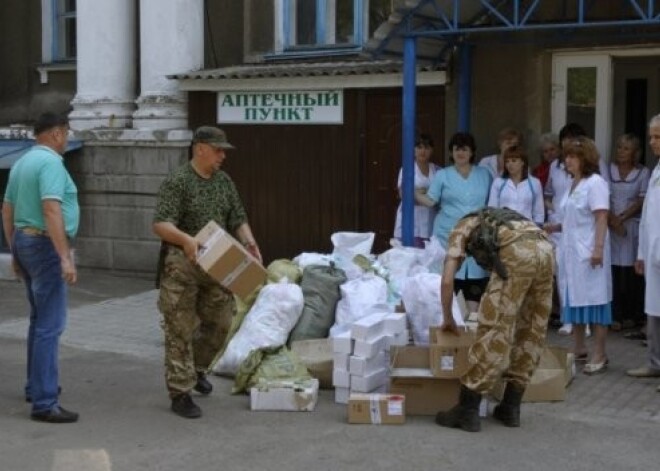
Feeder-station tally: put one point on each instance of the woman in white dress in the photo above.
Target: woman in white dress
(424, 172)
(508, 137)
(516, 189)
(584, 252)
(628, 184)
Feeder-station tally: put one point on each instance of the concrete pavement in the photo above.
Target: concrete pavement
(111, 368)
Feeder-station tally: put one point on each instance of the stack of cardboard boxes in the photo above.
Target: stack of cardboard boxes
(361, 360)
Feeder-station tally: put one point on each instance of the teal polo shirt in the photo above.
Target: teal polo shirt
(40, 175)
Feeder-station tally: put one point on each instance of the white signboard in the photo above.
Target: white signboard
(281, 107)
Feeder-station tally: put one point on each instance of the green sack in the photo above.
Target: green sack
(320, 287)
(283, 268)
(264, 364)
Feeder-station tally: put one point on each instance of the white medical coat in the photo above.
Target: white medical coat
(649, 244)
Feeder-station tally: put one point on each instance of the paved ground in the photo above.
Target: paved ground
(111, 365)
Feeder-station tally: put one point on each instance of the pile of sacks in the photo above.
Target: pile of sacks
(316, 296)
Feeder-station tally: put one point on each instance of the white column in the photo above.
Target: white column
(106, 64)
(171, 41)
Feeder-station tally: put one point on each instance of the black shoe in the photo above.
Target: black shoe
(508, 410)
(184, 406)
(28, 399)
(203, 385)
(465, 415)
(58, 415)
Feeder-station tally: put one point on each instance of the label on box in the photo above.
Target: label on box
(447, 362)
(395, 406)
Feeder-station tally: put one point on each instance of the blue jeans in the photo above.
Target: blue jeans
(46, 291)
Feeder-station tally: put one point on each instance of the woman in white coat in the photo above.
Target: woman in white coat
(517, 189)
(424, 172)
(584, 252)
(648, 260)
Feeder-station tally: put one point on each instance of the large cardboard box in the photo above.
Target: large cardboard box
(411, 377)
(448, 353)
(548, 384)
(283, 395)
(386, 409)
(226, 260)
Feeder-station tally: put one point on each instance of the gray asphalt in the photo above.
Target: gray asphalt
(111, 372)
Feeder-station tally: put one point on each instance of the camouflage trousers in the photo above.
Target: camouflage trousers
(513, 317)
(197, 313)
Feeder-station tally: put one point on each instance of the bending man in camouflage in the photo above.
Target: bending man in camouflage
(513, 314)
(197, 311)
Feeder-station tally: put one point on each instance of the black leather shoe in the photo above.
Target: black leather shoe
(203, 385)
(58, 415)
(28, 399)
(184, 406)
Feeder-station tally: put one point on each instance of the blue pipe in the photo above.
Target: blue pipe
(408, 141)
(465, 88)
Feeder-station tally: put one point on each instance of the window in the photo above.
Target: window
(323, 22)
(58, 24)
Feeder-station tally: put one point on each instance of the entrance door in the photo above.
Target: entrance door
(383, 153)
(582, 93)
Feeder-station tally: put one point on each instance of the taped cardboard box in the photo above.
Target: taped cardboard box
(448, 353)
(548, 384)
(411, 377)
(376, 409)
(227, 261)
(284, 395)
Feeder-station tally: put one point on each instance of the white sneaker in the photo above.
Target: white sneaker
(566, 329)
(587, 331)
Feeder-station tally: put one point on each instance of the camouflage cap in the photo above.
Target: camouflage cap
(212, 136)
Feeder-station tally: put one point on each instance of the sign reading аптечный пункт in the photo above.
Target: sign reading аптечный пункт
(281, 107)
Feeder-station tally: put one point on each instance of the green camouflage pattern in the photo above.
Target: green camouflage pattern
(272, 363)
(197, 313)
(513, 314)
(190, 202)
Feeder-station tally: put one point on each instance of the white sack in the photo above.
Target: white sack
(268, 324)
(312, 258)
(421, 297)
(359, 298)
(346, 246)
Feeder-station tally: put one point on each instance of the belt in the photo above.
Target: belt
(33, 231)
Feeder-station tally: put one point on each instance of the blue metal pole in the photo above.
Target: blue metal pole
(465, 88)
(408, 141)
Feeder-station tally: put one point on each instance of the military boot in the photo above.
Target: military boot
(203, 385)
(465, 415)
(184, 406)
(508, 410)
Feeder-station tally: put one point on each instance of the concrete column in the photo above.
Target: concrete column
(106, 64)
(171, 41)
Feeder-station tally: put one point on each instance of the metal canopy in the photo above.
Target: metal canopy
(439, 25)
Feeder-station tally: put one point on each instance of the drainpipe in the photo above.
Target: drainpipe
(408, 141)
(465, 88)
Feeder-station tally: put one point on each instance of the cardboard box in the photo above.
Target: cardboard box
(411, 376)
(449, 353)
(386, 409)
(548, 384)
(343, 343)
(368, 327)
(317, 356)
(360, 366)
(340, 361)
(371, 348)
(283, 395)
(342, 395)
(227, 261)
(369, 382)
(341, 379)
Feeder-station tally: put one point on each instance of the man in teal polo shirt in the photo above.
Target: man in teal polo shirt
(40, 214)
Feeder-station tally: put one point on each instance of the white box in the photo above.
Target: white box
(394, 323)
(342, 395)
(370, 382)
(342, 343)
(368, 327)
(340, 361)
(371, 348)
(401, 339)
(360, 366)
(283, 395)
(341, 378)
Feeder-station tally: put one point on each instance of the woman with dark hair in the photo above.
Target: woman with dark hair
(460, 189)
(516, 189)
(628, 184)
(424, 172)
(585, 282)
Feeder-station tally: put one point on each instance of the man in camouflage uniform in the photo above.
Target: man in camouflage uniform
(513, 313)
(197, 311)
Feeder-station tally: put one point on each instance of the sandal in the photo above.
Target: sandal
(595, 368)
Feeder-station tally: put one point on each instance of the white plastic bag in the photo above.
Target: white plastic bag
(421, 297)
(434, 255)
(359, 298)
(401, 262)
(268, 324)
(346, 246)
(312, 258)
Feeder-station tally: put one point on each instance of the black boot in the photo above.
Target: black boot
(508, 410)
(203, 385)
(184, 406)
(465, 415)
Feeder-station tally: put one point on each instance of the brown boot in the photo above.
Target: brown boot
(508, 410)
(465, 415)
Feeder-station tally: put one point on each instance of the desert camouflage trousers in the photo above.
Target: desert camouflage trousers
(513, 316)
(197, 313)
